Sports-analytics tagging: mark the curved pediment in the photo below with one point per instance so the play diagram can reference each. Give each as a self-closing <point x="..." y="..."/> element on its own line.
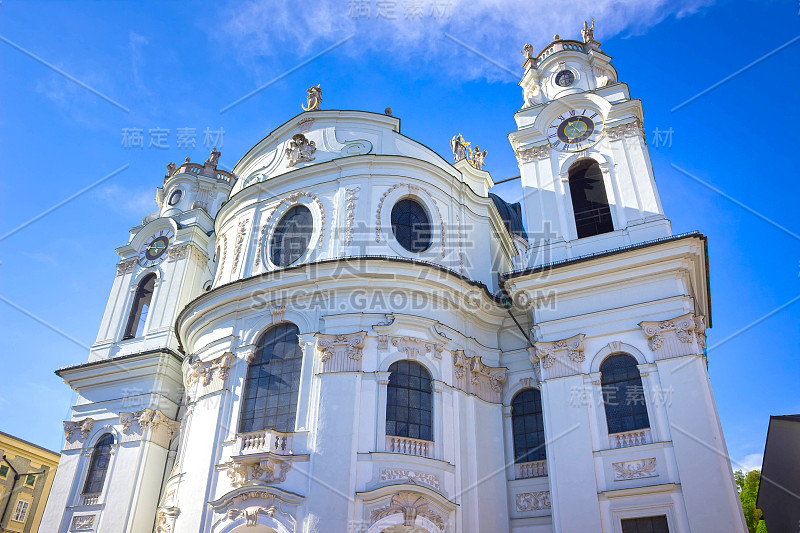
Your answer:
<point x="320" y="136"/>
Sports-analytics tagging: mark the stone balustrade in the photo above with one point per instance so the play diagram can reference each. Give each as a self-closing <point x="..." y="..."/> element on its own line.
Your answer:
<point x="627" y="439"/>
<point x="90" y="499"/>
<point x="407" y="445"/>
<point x="530" y="469"/>
<point x="265" y="441"/>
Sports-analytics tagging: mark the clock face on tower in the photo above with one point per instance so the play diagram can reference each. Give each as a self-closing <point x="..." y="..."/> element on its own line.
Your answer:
<point x="575" y="130"/>
<point x="155" y="249"/>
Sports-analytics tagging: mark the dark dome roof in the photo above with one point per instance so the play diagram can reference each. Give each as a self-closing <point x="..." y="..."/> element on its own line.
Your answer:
<point x="511" y="215"/>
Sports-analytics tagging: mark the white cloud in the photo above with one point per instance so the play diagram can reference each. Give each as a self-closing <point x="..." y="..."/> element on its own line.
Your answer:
<point x="135" y="202"/>
<point x="750" y="462"/>
<point x="498" y="28"/>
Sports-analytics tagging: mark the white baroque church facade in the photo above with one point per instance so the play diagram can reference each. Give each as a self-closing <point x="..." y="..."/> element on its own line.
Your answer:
<point x="348" y="333"/>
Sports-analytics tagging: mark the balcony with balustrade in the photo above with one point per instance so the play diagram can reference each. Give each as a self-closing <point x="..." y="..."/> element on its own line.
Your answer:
<point x="626" y="439"/>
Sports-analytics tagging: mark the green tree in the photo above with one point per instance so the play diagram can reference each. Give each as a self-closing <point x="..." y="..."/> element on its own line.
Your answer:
<point x="748" y="491"/>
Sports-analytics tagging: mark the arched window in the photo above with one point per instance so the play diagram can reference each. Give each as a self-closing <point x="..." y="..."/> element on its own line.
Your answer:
<point x="411" y="226"/>
<point x="589" y="200"/>
<point x="292" y="235"/>
<point x="623" y="394"/>
<point x="101" y="456"/>
<point x="141" y="306"/>
<point x="273" y="381"/>
<point x="409" y="401"/>
<point x="528" y="426"/>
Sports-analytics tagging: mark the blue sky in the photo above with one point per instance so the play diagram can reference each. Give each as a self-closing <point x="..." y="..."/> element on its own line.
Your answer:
<point x="169" y="66"/>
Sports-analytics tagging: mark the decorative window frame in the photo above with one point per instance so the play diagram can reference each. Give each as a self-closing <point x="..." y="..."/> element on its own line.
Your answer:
<point x="593" y="381"/>
<point x="86" y="461"/>
<point x="383" y="221"/>
<point x="310" y="201"/>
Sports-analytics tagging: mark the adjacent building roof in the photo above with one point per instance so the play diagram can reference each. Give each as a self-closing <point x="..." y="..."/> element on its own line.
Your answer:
<point x="779" y="490"/>
<point x="511" y="215"/>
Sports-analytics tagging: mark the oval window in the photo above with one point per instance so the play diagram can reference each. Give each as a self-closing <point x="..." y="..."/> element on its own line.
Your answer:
<point x="292" y="235"/>
<point x="411" y="226"/>
<point x="175" y="197"/>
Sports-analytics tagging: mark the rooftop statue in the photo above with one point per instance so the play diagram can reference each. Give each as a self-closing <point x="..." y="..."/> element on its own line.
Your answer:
<point x="214" y="157"/>
<point x="588" y="32"/>
<point x="460" y="147"/>
<point x="527" y="51"/>
<point x="314" y="98"/>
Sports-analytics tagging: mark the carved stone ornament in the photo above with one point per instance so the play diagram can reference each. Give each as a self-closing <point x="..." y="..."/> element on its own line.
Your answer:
<point x="161" y="427"/>
<point x="237" y="247"/>
<point x="631" y="129"/>
<point x="533" y="501"/>
<point x="684" y="335"/>
<point x="126" y="267"/>
<point x="413" y="347"/>
<point x="350" y="206"/>
<point x="411" y="506"/>
<point x="341" y="353"/>
<point x="474" y="377"/>
<point x="300" y="150"/>
<point x="531" y="154"/>
<point x="79" y="427"/>
<point x="264" y="471"/>
<point x="635" y="469"/>
<point x="82" y="522"/>
<point x="165" y="520"/>
<point x="205" y="372"/>
<point x="461" y="151"/>
<point x="250" y="514"/>
<point x="560" y="358"/>
<point x="410" y="476"/>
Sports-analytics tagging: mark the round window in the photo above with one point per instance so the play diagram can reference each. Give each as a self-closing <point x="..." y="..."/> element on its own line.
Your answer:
<point x="175" y="197"/>
<point x="565" y="78"/>
<point x="411" y="226"/>
<point x="292" y="235"/>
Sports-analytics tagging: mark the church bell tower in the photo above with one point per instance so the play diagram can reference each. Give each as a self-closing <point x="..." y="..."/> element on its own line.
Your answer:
<point x="120" y="439"/>
<point x="586" y="174"/>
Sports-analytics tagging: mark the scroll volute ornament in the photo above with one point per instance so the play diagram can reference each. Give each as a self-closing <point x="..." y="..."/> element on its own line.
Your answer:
<point x="683" y="335"/>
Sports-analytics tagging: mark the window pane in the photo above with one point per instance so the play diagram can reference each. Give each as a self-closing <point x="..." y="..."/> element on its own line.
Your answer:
<point x="411" y="226"/>
<point x="623" y="394"/>
<point x="528" y="426"/>
<point x="99" y="465"/>
<point x="272" y="384"/>
<point x="292" y="235"/>
<point x="408" y="401"/>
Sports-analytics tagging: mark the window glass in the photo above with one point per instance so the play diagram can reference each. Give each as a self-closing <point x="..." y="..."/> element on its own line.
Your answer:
<point x="101" y="457"/>
<point x="411" y="226"/>
<point x="273" y="381"/>
<point x="623" y="394"/>
<point x="409" y="401"/>
<point x="20" y="511"/>
<point x="528" y="426"/>
<point x="292" y="235"/>
<point x="648" y="524"/>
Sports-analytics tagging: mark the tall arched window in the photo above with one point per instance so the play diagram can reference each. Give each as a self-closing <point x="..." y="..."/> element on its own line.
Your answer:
<point x="409" y="401"/>
<point x="101" y="456"/>
<point x="141" y="306"/>
<point x="273" y="381"/>
<point x="589" y="199"/>
<point x="528" y="426"/>
<point x="623" y="394"/>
